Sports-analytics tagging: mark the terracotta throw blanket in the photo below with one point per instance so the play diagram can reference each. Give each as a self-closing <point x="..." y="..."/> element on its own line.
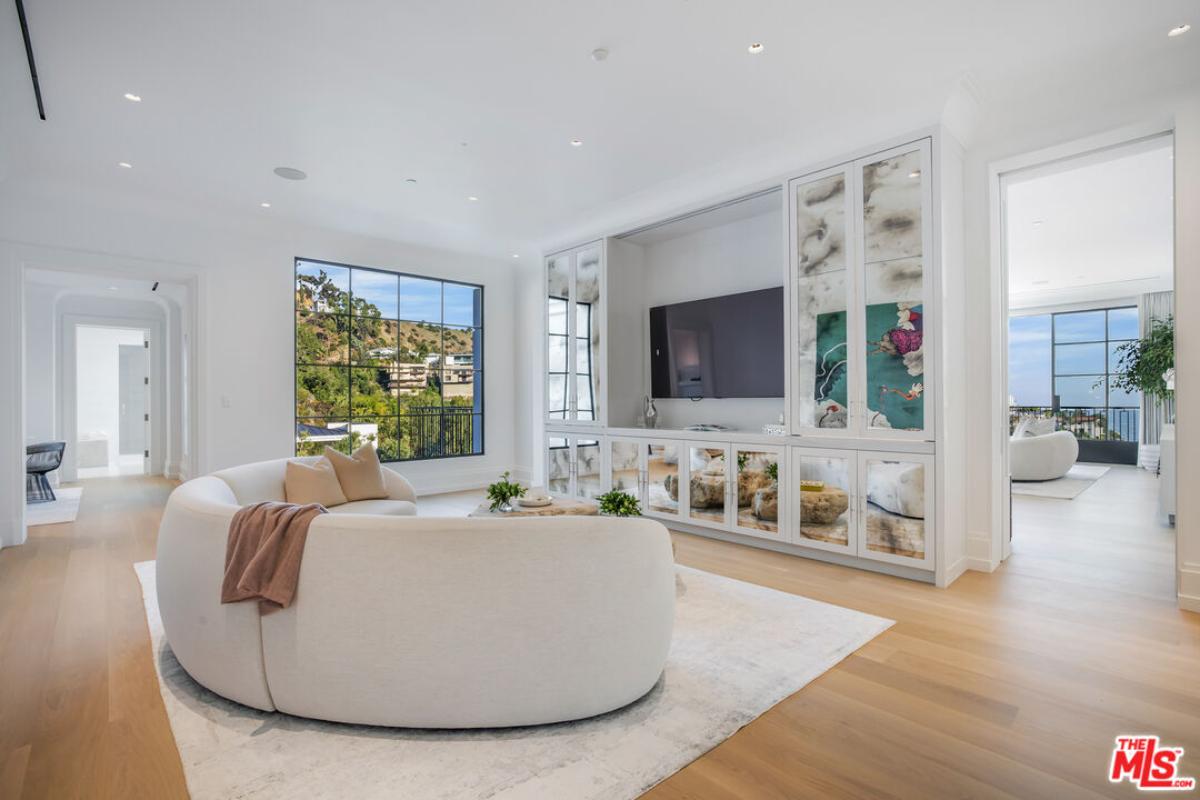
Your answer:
<point x="263" y="552"/>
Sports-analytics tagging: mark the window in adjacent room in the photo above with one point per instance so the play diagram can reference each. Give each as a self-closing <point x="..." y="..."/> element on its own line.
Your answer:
<point x="390" y="359"/>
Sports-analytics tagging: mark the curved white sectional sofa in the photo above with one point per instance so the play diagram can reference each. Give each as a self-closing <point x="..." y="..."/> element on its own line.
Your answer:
<point x="408" y="621"/>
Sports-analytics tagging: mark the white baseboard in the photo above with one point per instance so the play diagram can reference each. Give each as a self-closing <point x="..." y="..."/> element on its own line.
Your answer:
<point x="979" y="552"/>
<point x="1189" y="587"/>
<point x="955" y="571"/>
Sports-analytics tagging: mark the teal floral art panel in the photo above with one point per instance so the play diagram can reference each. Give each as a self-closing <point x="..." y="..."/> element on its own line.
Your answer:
<point x="829" y="389"/>
<point x="895" y="366"/>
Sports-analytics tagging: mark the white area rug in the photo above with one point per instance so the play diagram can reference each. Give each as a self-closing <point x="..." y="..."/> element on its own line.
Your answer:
<point x="738" y="649"/>
<point x="63" y="509"/>
<point x="1078" y="478"/>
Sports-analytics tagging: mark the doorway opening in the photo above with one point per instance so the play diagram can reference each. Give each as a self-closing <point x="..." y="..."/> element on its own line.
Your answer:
<point x="113" y="390"/>
<point x="1087" y="243"/>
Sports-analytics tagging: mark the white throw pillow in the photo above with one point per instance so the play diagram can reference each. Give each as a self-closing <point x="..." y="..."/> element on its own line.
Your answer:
<point x="1040" y="426"/>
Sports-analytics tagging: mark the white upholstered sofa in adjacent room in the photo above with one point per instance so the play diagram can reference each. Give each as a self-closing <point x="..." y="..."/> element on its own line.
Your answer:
<point x="421" y="622"/>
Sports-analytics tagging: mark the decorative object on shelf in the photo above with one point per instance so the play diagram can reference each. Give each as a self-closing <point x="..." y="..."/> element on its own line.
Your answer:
<point x="503" y="492"/>
<point x="619" y="504"/>
<point x="812" y="486"/>
<point x="1144" y="364"/>
<point x="535" y="498"/>
<point x="822" y="506"/>
<point x="775" y="429"/>
<point x="707" y="427"/>
<point x="649" y="412"/>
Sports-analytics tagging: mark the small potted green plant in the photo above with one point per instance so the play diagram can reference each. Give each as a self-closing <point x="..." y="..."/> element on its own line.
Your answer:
<point x="619" y="504"/>
<point x="503" y="492"/>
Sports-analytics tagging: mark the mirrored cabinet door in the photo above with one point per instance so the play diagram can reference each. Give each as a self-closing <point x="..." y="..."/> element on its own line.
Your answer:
<point x="589" y="477"/>
<point x="757" y="511"/>
<point x="558" y="464"/>
<point x="589" y="321"/>
<point x="895" y="223"/>
<point x="896" y="502"/>
<point x="559" y="345"/>
<point x="707" y="491"/>
<point x="822" y="483"/>
<point x="625" y="467"/>
<point x="822" y="266"/>
<point x="664" y="472"/>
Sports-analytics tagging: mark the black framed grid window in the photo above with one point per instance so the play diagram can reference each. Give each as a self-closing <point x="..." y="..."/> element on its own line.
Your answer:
<point x="557" y="372"/>
<point x="1084" y="361"/>
<point x="390" y="359"/>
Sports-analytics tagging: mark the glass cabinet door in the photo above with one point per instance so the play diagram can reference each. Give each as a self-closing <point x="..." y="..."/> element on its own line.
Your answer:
<point x="589" y="480"/>
<point x="822" y="482"/>
<point x="589" y="318"/>
<point x="707" y="490"/>
<point x="758" y="496"/>
<point x="664" y="474"/>
<point x="558" y="464"/>
<point x="822" y="265"/>
<point x="896" y="498"/>
<point x="559" y="345"/>
<point x="894" y="221"/>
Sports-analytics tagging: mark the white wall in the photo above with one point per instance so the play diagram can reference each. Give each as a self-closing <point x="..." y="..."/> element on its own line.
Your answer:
<point x="244" y="272"/>
<point x="97" y="371"/>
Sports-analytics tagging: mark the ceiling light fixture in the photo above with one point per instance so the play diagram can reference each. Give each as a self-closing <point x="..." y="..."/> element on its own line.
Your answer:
<point x="265" y="205"/>
<point x="133" y="98"/>
<point x="1179" y="30"/>
<point x="516" y="255"/>
<point x="290" y="173"/>
<point x="916" y="173"/>
<point x="1038" y="221"/>
<point x="112" y="288"/>
<point x="410" y="180"/>
<point x="599" y="54"/>
<point x="473" y="198"/>
<point x="755" y="48"/>
<point x="577" y="143"/>
<point x="124" y="165"/>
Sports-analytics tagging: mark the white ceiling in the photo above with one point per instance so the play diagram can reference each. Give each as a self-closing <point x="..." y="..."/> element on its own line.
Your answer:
<point x="365" y="94"/>
<point x="1103" y="221"/>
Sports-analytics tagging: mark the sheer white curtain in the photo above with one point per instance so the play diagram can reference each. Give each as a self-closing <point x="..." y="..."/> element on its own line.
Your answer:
<point x="1152" y="307"/>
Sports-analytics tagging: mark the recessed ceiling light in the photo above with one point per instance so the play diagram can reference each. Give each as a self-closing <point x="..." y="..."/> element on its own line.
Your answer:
<point x="577" y="143"/>
<point x="410" y="180"/>
<point x="112" y="288"/>
<point x="599" y="54"/>
<point x="473" y="198"/>
<point x="516" y="255"/>
<point x="133" y="98"/>
<point x="124" y="165"/>
<point x="916" y="173"/>
<point x="290" y="173"/>
<point x="1179" y="30"/>
<point x="755" y="48"/>
<point x="1038" y="221"/>
<point x="265" y="205"/>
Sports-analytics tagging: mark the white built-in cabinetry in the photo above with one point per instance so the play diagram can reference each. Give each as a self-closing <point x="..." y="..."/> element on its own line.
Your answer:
<point x="856" y="480"/>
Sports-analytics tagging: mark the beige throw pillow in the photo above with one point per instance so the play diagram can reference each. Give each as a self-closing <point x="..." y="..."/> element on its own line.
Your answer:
<point x="313" y="483"/>
<point x="359" y="473"/>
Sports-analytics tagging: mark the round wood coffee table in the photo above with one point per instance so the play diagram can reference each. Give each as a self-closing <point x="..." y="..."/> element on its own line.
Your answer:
<point x="561" y="507"/>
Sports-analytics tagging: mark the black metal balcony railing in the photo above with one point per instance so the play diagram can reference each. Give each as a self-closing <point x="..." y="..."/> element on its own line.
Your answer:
<point x="1094" y="423"/>
<point x="435" y="431"/>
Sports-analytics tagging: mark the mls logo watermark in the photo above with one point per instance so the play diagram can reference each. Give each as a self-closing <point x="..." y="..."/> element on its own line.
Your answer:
<point x="1146" y="764"/>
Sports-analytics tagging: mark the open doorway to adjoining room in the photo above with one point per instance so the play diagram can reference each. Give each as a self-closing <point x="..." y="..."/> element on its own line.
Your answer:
<point x="112" y="408"/>
<point x="1088" y="259"/>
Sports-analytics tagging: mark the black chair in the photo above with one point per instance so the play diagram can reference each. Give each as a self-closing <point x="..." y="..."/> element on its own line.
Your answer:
<point x="40" y="459"/>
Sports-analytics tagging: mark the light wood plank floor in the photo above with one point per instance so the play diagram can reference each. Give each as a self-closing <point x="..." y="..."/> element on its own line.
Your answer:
<point x="1005" y="685"/>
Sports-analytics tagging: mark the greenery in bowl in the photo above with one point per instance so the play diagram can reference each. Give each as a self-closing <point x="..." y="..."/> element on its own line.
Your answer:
<point x="772" y="471"/>
<point x="503" y="492"/>
<point x="619" y="504"/>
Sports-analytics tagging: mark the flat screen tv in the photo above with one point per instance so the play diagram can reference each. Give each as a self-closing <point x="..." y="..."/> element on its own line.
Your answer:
<point x="729" y="346"/>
